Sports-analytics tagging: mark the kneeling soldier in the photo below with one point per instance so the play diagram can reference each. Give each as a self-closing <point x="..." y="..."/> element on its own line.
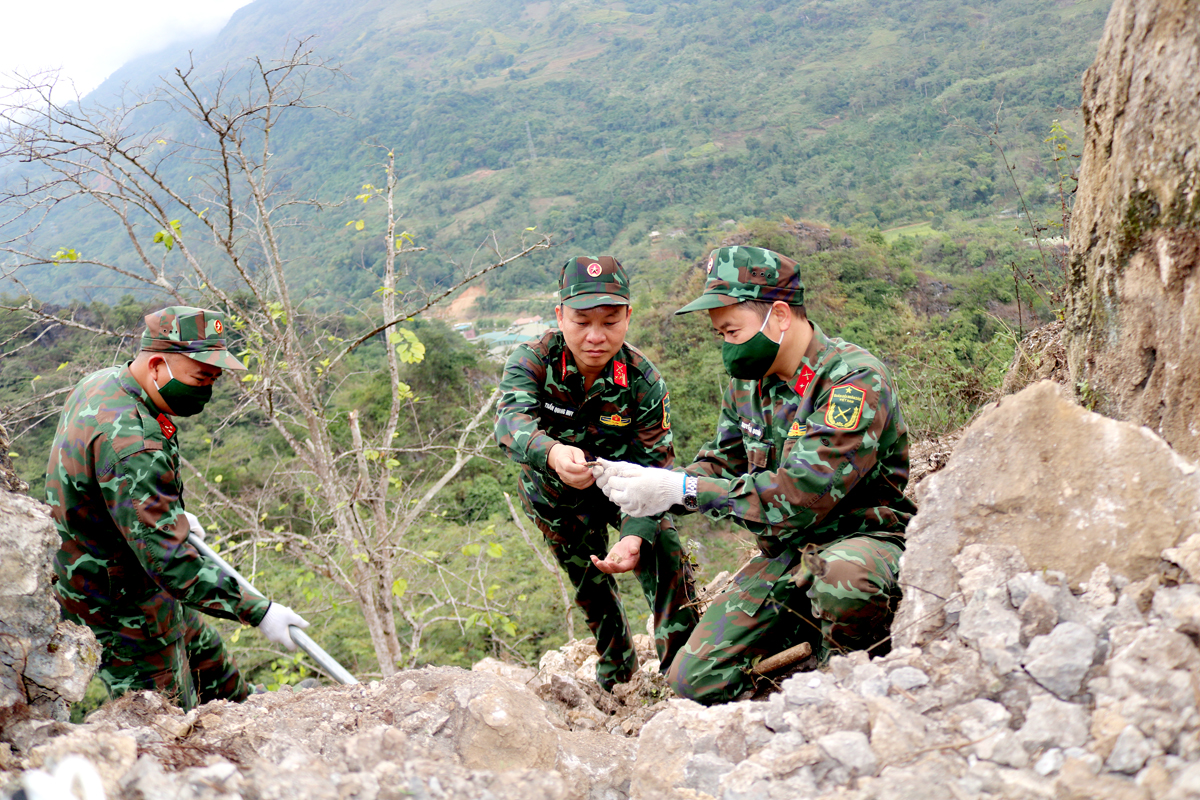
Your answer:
<point x="810" y="454"/>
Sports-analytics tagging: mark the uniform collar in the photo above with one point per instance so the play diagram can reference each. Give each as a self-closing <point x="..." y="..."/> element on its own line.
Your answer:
<point x="130" y="385"/>
<point x="816" y="346"/>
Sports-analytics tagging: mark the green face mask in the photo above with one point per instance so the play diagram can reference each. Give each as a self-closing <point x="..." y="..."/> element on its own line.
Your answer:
<point x="183" y="399"/>
<point x="751" y="359"/>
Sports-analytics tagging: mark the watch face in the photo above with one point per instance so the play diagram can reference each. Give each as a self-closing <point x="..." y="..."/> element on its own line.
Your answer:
<point x="689" y="501"/>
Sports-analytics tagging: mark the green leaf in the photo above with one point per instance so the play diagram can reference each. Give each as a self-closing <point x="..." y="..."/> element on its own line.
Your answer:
<point x="399" y="587"/>
<point x="471" y="549"/>
<point x="495" y="549"/>
<point x="408" y="347"/>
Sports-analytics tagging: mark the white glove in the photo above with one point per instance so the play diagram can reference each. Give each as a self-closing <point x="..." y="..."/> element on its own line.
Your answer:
<point x="605" y="469"/>
<point x="275" y="624"/>
<point x="644" y="491"/>
<point x="194" y="525"/>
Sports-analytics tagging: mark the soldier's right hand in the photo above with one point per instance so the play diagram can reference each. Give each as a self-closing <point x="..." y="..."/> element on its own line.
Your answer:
<point x="571" y="465"/>
<point x="275" y="624"/>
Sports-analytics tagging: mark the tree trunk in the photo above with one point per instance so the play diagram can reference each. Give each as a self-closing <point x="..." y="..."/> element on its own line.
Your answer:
<point x="1133" y="310"/>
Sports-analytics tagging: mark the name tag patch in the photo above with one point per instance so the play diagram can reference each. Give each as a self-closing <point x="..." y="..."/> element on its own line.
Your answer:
<point x="616" y="420"/>
<point x="562" y="411"/>
<point x="751" y="429"/>
<point x="845" y="407"/>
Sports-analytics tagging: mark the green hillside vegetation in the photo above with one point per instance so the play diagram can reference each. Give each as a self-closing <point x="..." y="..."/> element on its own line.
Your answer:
<point x="944" y="331"/>
<point x="601" y="122"/>
<point x="851" y="136"/>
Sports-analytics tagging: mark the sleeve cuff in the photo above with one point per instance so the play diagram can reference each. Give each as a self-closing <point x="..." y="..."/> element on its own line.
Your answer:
<point x="538" y="450"/>
<point x="645" y="528"/>
<point x="712" y="496"/>
<point x="253" y="609"/>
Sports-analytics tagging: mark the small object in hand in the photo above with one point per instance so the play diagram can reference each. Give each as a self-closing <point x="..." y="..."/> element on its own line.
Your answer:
<point x="591" y="463"/>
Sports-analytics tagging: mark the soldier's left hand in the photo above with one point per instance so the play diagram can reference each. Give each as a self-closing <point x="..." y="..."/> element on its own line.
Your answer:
<point x="194" y="525"/>
<point x="645" y="491"/>
<point x="622" y="558"/>
<point x="605" y="469"/>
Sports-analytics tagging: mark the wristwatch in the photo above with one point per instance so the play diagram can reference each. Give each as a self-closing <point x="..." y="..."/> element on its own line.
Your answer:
<point x="690" y="488"/>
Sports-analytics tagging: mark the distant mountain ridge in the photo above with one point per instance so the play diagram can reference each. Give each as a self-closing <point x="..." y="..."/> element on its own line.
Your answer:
<point x="602" y="121"/>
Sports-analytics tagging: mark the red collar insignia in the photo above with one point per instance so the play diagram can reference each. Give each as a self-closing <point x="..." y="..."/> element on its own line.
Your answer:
<point x="803" y="380"/>
<point x="620" y="375"/>
<point x="168" y="427"/>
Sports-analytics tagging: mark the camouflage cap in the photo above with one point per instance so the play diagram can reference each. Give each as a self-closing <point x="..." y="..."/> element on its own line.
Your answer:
<point x="589" y="282"/>
<point x="195" y="332"/>
<point x="737" y="274"/>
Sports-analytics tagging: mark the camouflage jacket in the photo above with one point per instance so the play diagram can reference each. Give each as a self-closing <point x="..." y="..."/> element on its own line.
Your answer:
<point x="625" y="416"/>
<point x="819" y="457"/>
<point x="115" y="492"/>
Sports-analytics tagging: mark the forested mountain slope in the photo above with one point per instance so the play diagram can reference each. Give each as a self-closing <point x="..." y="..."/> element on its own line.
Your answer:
<point x="599" y="122"/>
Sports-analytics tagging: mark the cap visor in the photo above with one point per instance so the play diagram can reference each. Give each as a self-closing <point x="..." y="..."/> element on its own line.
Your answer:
<point x="585" y="301"/>
<point x="707" y="301"/>
<point x="217" y="358"/>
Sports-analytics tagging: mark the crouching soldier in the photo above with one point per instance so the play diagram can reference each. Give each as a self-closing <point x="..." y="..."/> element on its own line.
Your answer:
<point x="579" y="393"/>
<point x="811" y="455"/>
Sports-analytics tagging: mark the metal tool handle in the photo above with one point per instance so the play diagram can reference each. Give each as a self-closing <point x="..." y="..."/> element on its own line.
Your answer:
<point x="302" y="639"/>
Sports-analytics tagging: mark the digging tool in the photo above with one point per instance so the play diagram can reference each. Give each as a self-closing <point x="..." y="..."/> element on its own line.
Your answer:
<point x="302" y="639"/>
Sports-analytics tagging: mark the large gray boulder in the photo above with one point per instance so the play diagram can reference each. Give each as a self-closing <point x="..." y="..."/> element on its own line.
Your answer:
<point x="1133" y="321"/>
<point x="45" y="663"/>
<point x="1065" y="488"/>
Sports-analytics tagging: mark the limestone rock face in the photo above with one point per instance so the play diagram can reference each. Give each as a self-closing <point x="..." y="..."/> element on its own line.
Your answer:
<point x="45" y="663"/>
<point x="1133" y="322"/>
<point x="1067" y="488"/>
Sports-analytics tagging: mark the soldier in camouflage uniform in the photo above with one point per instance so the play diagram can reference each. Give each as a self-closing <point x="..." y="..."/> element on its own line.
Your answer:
<point x="811" y="455"/>
<point x="576" y="394"/>
<point x="113" y="483"/>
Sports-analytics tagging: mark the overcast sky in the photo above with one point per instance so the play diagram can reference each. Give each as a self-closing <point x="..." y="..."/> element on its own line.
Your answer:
<point x="89" y="40"/>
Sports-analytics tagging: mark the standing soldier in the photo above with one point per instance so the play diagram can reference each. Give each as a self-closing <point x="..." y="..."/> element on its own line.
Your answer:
<point x="810" y="454"/>
<point x="125" y="567"/>
<point x="579" y="393"/>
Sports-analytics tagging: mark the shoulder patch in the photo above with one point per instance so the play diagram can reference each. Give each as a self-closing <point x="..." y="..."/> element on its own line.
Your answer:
<point x="666" y="423"/>
<point x="168" y="427"/>
<point x="845" y="407"/>
<point x="616" y="420"/>
<point x="621" y="374"/>
<point x="797" y="429"/>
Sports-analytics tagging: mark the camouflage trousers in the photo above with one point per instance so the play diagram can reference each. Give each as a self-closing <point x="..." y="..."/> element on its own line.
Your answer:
<point x="190" y="666"/>
<point x="774" y="603"/>
<point x="663" y="570"/>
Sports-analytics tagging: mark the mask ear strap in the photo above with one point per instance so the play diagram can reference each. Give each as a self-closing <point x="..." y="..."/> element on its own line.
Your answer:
<point x="766" y="319"/>
<point x="763" y="327"/>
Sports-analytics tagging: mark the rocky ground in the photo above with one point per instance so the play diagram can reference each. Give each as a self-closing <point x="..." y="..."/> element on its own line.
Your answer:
<point x="1047" y="646"/>
<point x="1034" y="690"/>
